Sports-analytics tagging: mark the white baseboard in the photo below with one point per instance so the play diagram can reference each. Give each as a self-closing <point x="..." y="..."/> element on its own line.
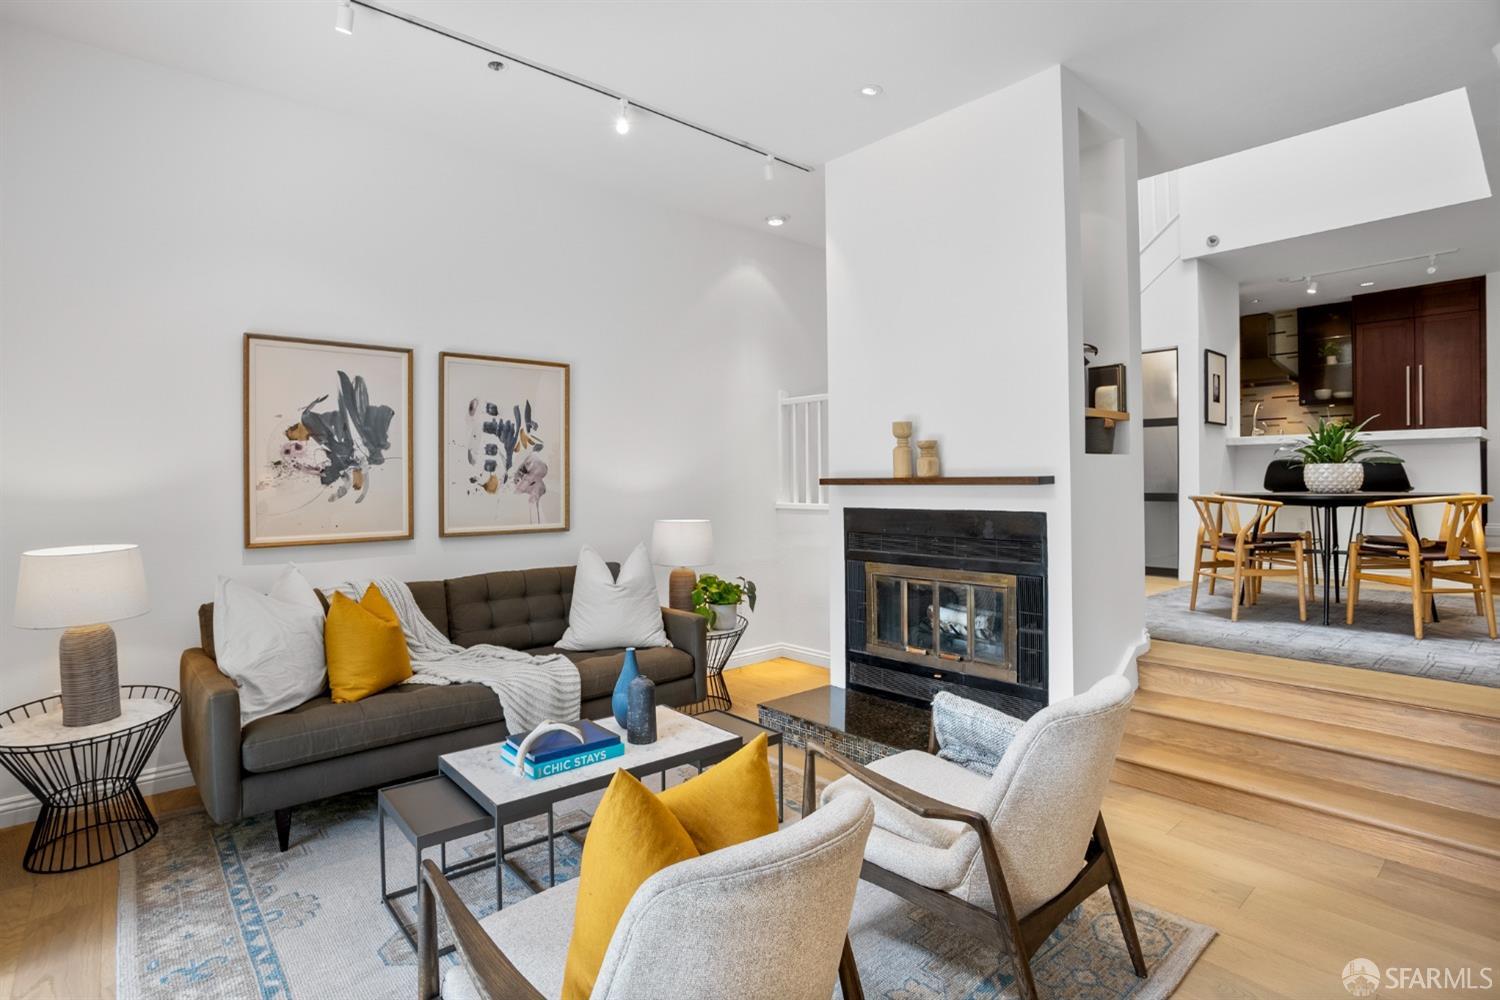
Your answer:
<point x="775" y="650"/>
<point x="22" y="808"/>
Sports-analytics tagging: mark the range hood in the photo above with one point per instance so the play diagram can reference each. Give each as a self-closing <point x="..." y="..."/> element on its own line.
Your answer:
<point x="1268" y="348"/>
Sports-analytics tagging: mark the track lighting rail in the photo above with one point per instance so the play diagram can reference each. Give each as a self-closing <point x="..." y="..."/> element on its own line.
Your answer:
<point x="635" y="106"/>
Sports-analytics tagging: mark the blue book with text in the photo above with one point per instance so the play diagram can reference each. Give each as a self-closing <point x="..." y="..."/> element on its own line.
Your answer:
<point x="555" y="745"/>
<point x="558" y="765"/>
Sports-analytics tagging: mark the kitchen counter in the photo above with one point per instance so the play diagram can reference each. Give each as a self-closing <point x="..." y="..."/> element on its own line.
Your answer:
<point x="1374" y="437"/>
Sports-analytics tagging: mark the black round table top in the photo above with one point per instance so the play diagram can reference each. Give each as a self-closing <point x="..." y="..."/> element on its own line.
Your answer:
<point x="1306" y="498"/>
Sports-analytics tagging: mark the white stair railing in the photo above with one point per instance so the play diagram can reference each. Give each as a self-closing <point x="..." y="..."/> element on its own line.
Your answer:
<point x="802" y="451"/>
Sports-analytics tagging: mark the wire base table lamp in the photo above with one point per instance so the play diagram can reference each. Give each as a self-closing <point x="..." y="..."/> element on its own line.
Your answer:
<point x="682" y="543"/>
<point x="82" y="588"/>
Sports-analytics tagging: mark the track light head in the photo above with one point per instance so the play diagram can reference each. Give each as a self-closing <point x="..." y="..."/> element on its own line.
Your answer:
<point x="622" y="120"/>
<point x="1432" y="263"/>
<point x="343" y="21"/>
<point x="770" y="167"/>
<point x="1312" y="287"/>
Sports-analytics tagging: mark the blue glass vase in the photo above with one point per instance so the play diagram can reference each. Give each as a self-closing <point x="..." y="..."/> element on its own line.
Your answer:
<point x="619" y="702"/>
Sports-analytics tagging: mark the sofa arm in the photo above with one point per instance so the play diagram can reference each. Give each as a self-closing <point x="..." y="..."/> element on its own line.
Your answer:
<point x="211" y="734"/>
<point x="689" y="633"/>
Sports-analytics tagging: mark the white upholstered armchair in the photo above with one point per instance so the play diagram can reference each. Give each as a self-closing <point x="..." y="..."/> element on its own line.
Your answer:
<point x="687" y="931"/>
<point x="1006" y="855"/>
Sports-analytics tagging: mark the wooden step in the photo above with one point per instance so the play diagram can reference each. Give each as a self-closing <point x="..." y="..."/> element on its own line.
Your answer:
<point x="1410" y="708"/>
<point x="1424" y="835"/>
<point x="1447" y="776"/>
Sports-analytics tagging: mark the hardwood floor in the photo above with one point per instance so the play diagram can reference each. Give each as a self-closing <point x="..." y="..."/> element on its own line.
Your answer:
<point x="1291" y="910"/>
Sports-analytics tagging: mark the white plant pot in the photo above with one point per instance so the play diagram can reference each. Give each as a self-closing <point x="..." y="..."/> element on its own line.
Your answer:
<point x="726" y="616"/>
<point x="1333" y="477"/>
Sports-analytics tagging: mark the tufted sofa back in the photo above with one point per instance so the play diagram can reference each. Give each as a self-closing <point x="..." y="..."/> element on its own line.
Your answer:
<point x="519" y="609"/>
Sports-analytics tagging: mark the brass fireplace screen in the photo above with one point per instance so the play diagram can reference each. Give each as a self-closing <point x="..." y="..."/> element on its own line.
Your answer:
<point x="942" y="618"/>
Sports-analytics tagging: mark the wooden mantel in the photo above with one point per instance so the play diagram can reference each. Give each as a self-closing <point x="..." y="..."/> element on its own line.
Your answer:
<point x="937" y="481"/>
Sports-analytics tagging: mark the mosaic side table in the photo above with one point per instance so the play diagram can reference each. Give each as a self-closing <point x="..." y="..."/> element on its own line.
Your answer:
<point x="85" y="776"/>
<point x="721" y="643"/>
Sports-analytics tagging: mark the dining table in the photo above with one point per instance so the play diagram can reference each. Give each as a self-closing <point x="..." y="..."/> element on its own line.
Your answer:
<point x="1328" y="506"/>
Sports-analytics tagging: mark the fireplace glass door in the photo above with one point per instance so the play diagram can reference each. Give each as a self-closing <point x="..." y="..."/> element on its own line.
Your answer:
<point x="941" y="617"/>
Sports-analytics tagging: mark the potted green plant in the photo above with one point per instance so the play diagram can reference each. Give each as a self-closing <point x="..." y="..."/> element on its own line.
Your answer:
<point x="1333" y="455"/>
<point x="1330" y="351"/>
<point x="719" y="600"/>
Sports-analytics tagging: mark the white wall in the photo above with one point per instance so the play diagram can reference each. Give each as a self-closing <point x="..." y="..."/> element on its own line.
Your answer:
<point x="955" y="300"/>
<point x="1412" y="158"/>
<point x="151" y="217"/>
<point x="1193" y="306"/>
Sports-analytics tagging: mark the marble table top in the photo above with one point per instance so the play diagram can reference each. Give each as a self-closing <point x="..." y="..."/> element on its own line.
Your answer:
<point x="495" y="785"/>
<point x="47" y="727"/>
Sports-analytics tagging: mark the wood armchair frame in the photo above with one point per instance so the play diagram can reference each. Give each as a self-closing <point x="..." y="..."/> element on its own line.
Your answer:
<point x="494" y="976"/>
<point x="1018" y="937"/>
<point x="1462" y="561"/>
<point x="1253" y="559"/>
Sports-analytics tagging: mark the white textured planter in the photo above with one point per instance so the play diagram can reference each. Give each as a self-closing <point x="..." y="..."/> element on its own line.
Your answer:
<point x="1334" y="477"/>
<point x="726" y="616"/>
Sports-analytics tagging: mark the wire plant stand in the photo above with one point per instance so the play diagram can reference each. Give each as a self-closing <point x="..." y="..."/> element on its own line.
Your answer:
<point x="721" y="643"/>
<point x="92" y="807"/>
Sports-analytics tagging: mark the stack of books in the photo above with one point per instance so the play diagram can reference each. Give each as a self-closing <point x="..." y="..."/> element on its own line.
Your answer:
<point x="556" y="752"/>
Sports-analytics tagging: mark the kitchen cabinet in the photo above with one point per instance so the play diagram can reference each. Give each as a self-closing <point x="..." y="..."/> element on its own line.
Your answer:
<point x="1326" y="355"/>
<point x="1419" y="356"/>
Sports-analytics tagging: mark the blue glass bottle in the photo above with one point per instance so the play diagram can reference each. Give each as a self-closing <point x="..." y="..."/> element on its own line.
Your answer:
<point x="619" y="702"/>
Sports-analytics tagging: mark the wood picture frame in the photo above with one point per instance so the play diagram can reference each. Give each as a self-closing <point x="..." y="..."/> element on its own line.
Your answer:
<point x="324" y="477"/>
<point x="1215" y="388"/>
<point x="504" y="445"/>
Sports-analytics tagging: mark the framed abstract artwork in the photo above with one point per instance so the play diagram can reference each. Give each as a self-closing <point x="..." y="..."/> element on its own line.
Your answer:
<point x="1215" y="388"/>
<point x="503" y="435"/>
<point x="328" y="442"/>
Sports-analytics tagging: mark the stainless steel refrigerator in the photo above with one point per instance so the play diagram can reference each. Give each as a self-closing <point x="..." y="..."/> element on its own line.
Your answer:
<point x="1159" y="444"/>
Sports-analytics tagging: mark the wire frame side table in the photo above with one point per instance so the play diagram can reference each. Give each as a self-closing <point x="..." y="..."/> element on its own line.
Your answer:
<point x="86" y="777"/>
<point x="721" y="644"/>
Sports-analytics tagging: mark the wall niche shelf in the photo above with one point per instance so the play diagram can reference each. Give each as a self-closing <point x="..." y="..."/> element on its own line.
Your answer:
<point x="1110" y="417"/>
<point x="938" y="481"/>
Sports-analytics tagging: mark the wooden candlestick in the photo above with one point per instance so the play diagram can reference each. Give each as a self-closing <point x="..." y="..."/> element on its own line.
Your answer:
<point x="901" y="454"/>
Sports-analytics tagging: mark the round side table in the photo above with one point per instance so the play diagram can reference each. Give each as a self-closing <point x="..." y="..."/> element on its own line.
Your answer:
<point x="721" y="643"/>
<point x="85" y="776"/>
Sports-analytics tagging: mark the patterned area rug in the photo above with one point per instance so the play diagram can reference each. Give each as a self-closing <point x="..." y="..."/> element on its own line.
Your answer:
<point x="219" y="912"/>
<point x="1457" y="648"/>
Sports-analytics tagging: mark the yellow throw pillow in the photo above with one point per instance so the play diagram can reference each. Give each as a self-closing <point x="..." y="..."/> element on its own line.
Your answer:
<point x="364" y="646"/>
<point x="636" y="834"/>
<point x="728" y="804"/>
<point x="632" y="837"/>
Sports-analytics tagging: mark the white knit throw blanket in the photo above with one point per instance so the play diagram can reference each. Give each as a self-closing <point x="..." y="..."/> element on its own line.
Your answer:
<point x="532" y="689"/>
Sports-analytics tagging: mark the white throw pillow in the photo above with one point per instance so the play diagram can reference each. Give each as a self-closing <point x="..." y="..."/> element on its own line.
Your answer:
<point x="609" y="611"/>
<point x="270" y="645"/>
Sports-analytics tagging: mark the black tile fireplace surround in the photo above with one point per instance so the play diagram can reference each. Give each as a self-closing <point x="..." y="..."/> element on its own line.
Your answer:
<point x="966" y="545"/>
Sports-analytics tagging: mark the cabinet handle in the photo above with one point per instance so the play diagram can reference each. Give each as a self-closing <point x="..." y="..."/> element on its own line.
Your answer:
<point x="1408" y="395"/>
<point x="1421" y="386"/>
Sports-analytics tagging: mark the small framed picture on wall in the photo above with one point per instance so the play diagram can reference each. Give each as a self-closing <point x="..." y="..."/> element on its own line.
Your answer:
<point x="503" y="465"/>
<point x="1215" y="388"/>
<point x="327" y="438"/>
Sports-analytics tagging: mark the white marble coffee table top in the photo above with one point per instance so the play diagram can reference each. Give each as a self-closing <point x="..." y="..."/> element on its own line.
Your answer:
<point x="47" y="727"/>
<point x="494" y="784"/>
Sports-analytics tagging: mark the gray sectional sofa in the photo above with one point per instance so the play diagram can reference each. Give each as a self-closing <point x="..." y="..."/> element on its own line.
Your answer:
<point x="321" y="749"/>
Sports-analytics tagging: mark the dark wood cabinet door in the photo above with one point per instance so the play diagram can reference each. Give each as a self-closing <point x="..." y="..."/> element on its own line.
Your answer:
<point x="1384" y="373"/>
<point x="1448" y="386"/>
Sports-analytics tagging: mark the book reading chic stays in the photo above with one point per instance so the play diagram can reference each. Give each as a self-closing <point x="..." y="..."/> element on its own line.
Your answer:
<point x="560" y="749"/>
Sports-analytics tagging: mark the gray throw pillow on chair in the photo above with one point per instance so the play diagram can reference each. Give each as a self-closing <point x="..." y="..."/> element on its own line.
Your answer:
<point x="973" y="735"/>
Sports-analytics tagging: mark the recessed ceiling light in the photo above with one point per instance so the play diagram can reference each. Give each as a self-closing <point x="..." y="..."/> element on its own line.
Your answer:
<point x="1366" y="284"/>
<point x="872" y="90"/>
<point x="776" y="220"/>
<point x="1255" y="302"/>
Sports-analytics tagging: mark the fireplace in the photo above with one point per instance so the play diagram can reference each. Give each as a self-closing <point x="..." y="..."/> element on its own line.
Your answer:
<point x="952" y="600"/>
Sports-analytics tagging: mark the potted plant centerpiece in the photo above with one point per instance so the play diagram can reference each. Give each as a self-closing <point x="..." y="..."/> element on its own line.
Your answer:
<point x="1333" y="455"/>
<point x="719" y="600"/>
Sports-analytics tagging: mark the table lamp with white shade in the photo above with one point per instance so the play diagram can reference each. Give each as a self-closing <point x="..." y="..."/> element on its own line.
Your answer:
<point x="682" y="543"/>
<point x="81" y="588"/>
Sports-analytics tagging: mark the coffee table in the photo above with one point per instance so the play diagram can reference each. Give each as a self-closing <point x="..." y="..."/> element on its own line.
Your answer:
<point x="507" y="797"/>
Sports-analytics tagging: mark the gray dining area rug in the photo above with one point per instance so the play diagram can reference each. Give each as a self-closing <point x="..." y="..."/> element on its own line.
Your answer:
<point x="1455" y="648"/>
<point x="211" y="911"/>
